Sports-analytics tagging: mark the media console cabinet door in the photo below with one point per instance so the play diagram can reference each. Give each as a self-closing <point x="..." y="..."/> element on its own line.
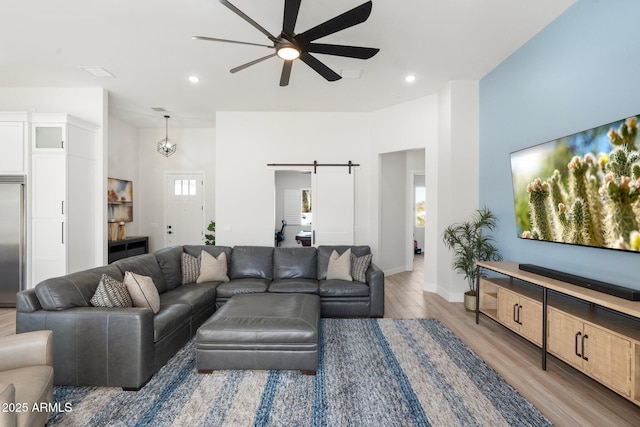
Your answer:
<point x="531" y="320"/>
<point x="609" y="358"/>
<point x="564" y="334"/>
<point x="507" y="307"/>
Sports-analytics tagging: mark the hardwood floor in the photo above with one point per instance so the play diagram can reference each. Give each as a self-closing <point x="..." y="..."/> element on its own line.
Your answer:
<point x="564" y="395"/>
<point x="561" y="393"/>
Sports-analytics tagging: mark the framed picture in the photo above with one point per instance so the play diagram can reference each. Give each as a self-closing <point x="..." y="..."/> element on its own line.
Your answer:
<point x="120" y="200"/>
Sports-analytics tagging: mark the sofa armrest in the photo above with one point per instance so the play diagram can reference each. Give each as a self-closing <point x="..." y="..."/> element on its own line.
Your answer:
<point x="375" y="280"/>
<point x="27" y="301"/>
<point x="28" y="349"/>
<point x="110" y="347"/>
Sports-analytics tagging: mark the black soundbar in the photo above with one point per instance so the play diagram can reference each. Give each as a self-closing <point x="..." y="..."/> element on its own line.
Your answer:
<point x="596" y="285"/>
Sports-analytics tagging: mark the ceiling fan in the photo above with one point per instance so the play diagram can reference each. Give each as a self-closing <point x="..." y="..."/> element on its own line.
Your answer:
<point x="290" y="46"/>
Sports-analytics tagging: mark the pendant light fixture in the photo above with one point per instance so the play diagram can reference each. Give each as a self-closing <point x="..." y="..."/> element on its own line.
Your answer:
<point x="166" y="147"/>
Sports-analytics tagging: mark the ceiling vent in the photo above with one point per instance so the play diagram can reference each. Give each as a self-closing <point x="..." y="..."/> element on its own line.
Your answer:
<point x="158" y="109"/>
<point x="98" y="72"/>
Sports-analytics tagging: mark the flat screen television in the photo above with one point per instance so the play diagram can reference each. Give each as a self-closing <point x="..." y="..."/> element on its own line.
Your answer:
<point x="581" y="189"/>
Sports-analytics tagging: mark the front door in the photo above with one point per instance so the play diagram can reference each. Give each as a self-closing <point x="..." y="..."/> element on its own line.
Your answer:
<point x="184" y="209"/>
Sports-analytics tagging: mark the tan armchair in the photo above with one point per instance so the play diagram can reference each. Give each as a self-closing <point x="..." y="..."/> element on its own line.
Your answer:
<point x="26" y="379"/>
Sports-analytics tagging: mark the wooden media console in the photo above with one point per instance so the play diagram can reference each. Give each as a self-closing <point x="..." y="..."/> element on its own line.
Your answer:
<point x="596" y="333"/>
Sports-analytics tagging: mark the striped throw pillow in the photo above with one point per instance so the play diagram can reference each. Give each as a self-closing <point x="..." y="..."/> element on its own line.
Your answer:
<point x="190" y="268"/>
<point x="359" y="266"/>
<point x="111" y="293"/>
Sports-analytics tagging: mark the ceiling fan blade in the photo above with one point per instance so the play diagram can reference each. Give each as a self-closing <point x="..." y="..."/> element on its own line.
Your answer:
<point x="286" y="73"/>
<point x="355" y="16"/>
<point x="291" y="9"/>
<point x="339" y="50"/>
<point x="211" y="39"/>
<point x="249" y="20"/>
<point x="320" y="68"/>
<point x="249" y="64"/>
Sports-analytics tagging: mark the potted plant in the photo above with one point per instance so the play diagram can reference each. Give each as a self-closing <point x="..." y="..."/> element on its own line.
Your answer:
<point x="211" y="238"/>
<point x="471" y="243"/>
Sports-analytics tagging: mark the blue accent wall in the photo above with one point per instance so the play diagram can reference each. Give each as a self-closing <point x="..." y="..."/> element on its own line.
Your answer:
<point x="581" y="71"/>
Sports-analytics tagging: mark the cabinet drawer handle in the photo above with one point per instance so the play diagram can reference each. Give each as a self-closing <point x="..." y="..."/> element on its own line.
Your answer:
<point x="584" y="356"/>
<point x="576" y="343"/>
<point x="515" y="313"/>
<point x="519" y="308"/>
<point x="63" y="233"/>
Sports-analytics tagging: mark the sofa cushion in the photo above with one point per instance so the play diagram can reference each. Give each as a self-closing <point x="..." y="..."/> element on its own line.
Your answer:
<point x="169" y="261"/>
<point x="197" y="296"/>
<point x="251" y="262"/>
<point x="144" y="265"/>
<point x="142" y="290"/>
<point x="291" y="263"/>
<point x="342" y="288"/>
<point x="111" y="293"/>
<point x="73" y="290"/>
<point x="213" y="269"/>
<point x="195" y="250"/>
<point x="294" y="286"/>
<point x="169" y="318"/>
<point x="241" y="286"/>
<point x="190" y="268"/>
<point x="339" y="266"/>
<point x="359" y="266"/>
<point x="324" y="252"/>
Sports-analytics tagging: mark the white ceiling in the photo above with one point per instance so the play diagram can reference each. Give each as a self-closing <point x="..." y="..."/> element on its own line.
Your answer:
<point x="146" y="44"/>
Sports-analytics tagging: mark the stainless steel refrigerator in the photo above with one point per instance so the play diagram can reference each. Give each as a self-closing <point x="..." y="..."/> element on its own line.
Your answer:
<point x="12" y="238"/>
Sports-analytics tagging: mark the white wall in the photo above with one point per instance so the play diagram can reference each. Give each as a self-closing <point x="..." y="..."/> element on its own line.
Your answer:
<point x="445" y="126"/>
<point x="393" y="208"/>
<point x="247" y="142"/>
<point x="123" y="163"/>
<point x="195" y="153"/>
<point x="455" y="175"/>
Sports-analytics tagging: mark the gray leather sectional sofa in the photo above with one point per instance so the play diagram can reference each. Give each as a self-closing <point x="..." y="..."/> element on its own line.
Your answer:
<point x="124" y="347"/>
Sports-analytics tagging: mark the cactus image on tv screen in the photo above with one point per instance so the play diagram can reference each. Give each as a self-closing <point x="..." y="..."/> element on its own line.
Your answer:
<point x="581" y="189"/>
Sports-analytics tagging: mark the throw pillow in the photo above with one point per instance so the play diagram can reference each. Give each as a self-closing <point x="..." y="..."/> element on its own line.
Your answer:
<point x="143" y="291"/>
<point x="213" y="269"/>
<point x="111" y="293"/>
<point x="359" y="266"/>
<point x="190" y="268"/>
<point x="340" y="266"/>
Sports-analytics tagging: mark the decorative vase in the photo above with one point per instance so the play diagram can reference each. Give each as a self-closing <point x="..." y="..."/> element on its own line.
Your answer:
<point x="113" y="230"/>
<point x="470" y="301"/>
<point x="122" y="231"/>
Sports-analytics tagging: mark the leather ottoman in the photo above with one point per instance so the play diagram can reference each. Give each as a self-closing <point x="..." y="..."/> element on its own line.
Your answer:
<point x="261" y="331"/>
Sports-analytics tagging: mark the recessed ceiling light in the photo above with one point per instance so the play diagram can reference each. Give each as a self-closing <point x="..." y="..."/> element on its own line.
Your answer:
<point x="98" y="71"/>
<point x="194" y="79"/>
<point x="410" y="78"/>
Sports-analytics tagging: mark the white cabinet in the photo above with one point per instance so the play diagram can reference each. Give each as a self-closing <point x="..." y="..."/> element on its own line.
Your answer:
<point x="13" y="141"/>
<point x="64" y="194"/>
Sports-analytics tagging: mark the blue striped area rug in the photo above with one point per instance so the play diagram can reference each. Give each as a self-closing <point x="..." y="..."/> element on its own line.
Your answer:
<point x="373" y="372"/>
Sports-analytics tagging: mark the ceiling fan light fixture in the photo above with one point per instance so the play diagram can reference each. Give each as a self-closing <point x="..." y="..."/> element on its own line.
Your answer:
<point x="288" y="52"/>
